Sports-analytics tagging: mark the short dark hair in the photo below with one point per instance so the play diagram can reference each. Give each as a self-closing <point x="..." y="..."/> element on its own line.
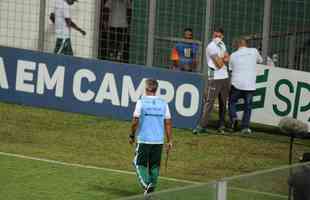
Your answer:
<point x="219" y="30"/>
<point x="151" y="85"/>
<point x="188" y="29"/>
<point x="239" y="41"/>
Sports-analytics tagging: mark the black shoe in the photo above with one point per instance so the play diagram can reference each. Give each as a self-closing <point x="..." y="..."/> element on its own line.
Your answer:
<point x="198" y="130"/>
<point x="149" y="189"/>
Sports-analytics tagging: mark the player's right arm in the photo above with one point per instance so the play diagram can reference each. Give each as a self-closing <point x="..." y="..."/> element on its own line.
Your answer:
<point x="69" y="22"/>
<point x="135" y="122"/>
<point x="73" y="25"/>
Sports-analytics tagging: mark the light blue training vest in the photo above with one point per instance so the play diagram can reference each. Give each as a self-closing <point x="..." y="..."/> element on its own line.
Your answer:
<point x="151" y="121"/>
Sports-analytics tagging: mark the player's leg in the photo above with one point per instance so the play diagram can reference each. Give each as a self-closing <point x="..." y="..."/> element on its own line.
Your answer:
<point x="58" y="46"/>
<point x="155" y="158"/>
<point x="67" y="48"/>
<point x="141" y="164"/>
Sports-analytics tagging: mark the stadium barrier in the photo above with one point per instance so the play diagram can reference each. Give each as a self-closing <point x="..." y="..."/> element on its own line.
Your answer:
<point x="272" y="184"/>
<point x="110" y="89"/>
<point x="280" y="93"/>
<point x="94" y="86"/>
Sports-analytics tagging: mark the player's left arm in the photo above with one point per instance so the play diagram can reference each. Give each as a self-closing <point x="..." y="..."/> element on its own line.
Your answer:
<point x="168" y="128"/>
<point x="73" y="25"/>
<point x="135" y="122"/>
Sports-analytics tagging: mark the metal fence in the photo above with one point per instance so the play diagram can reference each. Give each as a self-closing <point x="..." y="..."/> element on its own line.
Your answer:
<point x="287" y="182"/>
<point x="147" y="30"/>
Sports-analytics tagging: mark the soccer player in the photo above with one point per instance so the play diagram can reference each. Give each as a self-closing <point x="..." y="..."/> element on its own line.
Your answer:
<point x="151" y="119"/>
<point x="63" y="24"/>
<point x="184" y="54"/>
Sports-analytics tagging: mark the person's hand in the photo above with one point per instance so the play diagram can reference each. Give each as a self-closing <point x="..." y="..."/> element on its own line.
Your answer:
<point x="226" y="57"/>
<point x="168" y="146"/>
<point x="83" y="32"/>
<point x="131" y="139"/>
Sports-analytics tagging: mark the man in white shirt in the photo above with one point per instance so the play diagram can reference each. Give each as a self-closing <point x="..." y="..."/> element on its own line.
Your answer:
<point x="63" y="24"/>
<point x="118" y="28"/>
<point x="242" y="64"/>
<point x="218" y="83"/>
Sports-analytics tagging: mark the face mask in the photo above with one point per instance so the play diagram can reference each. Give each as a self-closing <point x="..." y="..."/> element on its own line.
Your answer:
<point x="217" y="40"/>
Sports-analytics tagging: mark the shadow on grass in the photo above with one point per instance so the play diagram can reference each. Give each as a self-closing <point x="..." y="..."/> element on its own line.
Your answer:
<point x="111" y="189"/>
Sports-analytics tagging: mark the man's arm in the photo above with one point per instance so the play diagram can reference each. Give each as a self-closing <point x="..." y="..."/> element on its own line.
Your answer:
<point x="168" y="130"/>
<point x="218" y="61"/>
<point x="134" y="127"/>
<point x="73" y="25"/>
<point x="175" y="58"/>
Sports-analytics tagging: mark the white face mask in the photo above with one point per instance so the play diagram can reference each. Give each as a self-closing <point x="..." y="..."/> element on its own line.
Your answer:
<point x="217" y="40"/>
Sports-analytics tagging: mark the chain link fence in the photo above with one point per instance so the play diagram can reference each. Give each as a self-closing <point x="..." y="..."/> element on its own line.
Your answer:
<point x="144" y="32"/>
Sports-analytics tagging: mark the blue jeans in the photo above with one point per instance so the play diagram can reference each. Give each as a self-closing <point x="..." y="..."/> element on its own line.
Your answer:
<point x="247" y="96"/>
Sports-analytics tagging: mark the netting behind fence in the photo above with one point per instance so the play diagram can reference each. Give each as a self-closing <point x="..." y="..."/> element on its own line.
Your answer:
<point x="121" y="30"/>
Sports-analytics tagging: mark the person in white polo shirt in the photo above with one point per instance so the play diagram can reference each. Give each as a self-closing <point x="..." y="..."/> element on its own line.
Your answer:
<point x="218" y="83"/>
<point x="63" y="24"/>
<point x="242" y="64"/>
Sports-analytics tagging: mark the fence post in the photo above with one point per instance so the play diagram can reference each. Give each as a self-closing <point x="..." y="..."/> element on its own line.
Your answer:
<point x="96" y="28"/>
<point x="151" y="33"/>
<point x="221" y="188"/>
<point x="266" y="29"/>
<point x="208" y="23"/>
<point x="41" y="25"/>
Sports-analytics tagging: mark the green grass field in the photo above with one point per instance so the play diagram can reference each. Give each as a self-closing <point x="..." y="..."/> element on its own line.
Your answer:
<point x="102" y="142"/>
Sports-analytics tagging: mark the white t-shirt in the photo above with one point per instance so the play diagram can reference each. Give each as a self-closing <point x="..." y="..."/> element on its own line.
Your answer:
<point x="137" y="111"/>
<point x="243" y="65"/>
<point x="61" y="12"/>
<point x="216" y="49"/>
<point x="118" y="13"/>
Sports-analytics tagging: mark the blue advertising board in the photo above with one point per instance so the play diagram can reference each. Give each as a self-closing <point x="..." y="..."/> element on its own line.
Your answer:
<point x="94" y="87"/>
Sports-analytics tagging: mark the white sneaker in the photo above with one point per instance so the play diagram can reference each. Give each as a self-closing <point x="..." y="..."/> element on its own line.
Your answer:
<point x="246" y="131"/>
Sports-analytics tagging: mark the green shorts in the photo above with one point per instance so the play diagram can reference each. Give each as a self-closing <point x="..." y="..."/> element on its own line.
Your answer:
<point x="148" y="155"/>
<point x="63" y="46"/>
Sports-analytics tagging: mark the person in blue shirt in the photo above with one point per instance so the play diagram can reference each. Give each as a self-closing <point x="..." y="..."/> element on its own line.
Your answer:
<point x="184" y="54"/>
<point x="151" y="120"/>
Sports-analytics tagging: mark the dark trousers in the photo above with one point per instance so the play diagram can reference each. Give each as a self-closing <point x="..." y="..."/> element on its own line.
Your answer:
<point x="216" y="89"/>
<point x="247" y="96"/>
<point x="147" y="164"/>
<point x="118" y="41"/>
<point x="63" y="46"/>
